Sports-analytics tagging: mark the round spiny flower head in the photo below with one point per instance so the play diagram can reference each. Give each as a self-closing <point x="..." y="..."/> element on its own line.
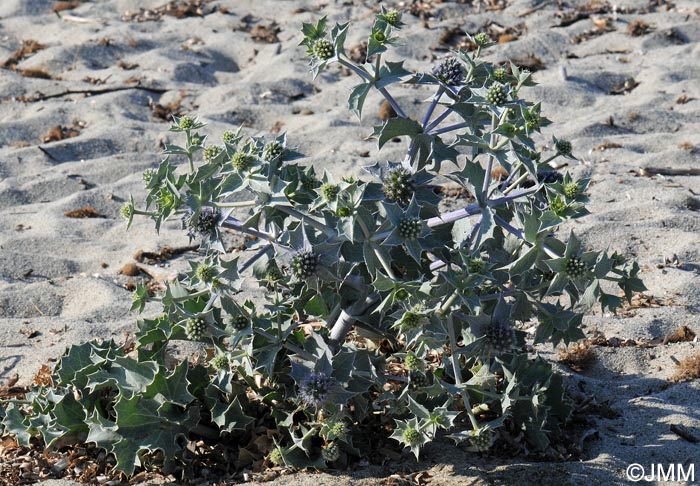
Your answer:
<point x="532" y="121"/>
<point x="148" y="175"/>
<point x="330" y="191"/>
<point x="401" y="294"/>
<point x="482" y="39"/>
<point x="240" y="161"/>
<point x="315" y="387"/>
<point x="499" y="74"/>
<point x="497" y="94"/>
<point x="410" y="320"/>
<point x="575" y="267"/>
<point x="272" y="150"/>
<point x="229" y="137"/>
<point x="499" y="338"/>
<point x="336" y="429"/>
<point x="194" y="328"/>
<point x="323" y="49"/>
<point x="418" y="379"/>
<point x="304" y="264"/>
<point x="276" y="457"/>
<point x="204" y="225"/>
<point x="411" y="436"/>
<point x="205" y="273"/>
<point x="549" y="176"/>
<point x="572" y="190"/>
<point x="450" y="72"/>
<point x="240" y="322"/>
<point x="330" y="452"/>
<point x="392" y="17"/>
<point x="196" y="139"/>
<point x="481" y="441"/>
<point x="166" y="199"/>
<point x="211" y="152"/>
<point x="220" y="362"/>
<point x="127" y="210"/>
<point x="476" y="265"/>
<point x="412" y="362"/>
<point x="399" y="186"/>
<point x="557" y="205"/>
<point x="563" y="147"/>
<point x="186" y="123"/>
<point x="410" y="228"/>
<point x="343" y="212"/>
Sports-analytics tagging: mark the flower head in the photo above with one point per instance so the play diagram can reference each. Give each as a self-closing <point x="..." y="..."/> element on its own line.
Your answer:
<point x="497" y="94"/>
<point x="563" y="147"/>
<point x="272" y="150"/>
<point x="399" y="186"/>
<point x="450" y="72"/>
<point x="315" y="388"/>
<point x="499" y="337"/>
<point x="575" y="267"/>
<point x="304" y="264"/>
<point x="203" y="224"/>
<point x="220" y="362"/>
<point x="194" y="328"/>
<point x="410" y="228"/>
<point x="330" y="452"/>
<point x="323" y="49"/>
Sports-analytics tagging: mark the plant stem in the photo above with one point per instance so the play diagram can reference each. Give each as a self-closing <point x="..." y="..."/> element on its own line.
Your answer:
<point x="453" y="216"/>
<point x="330" y="232"/>
<point x="432" y="106"/>
<point x="439" y="119"/>
<point x="458" y="372"/>
<point x="361" y="72"/>
<point x="516" y="195"/>
<point x="382" y="259"/>
<point x="346" y="319"/>
<point x="489" y="163"/>
<point x="235" y="204"/>
<point x="515" y="184"/>
<point x="236" y="224"/>
<point x="450" y="128"/>
<point x="392" y="102"/>
<point x="515" y="231"/>
<point x="255" y="257"/>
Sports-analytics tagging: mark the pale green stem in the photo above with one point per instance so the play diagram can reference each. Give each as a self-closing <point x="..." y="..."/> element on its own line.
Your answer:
<point x="385" y="263"/>
<point x="458" y="373"/>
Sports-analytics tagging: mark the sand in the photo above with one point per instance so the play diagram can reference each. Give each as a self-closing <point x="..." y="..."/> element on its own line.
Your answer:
<point x="59" y="277"/>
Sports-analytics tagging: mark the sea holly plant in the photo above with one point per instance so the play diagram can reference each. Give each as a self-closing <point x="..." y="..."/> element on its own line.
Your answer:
<point x="380" y="309"/>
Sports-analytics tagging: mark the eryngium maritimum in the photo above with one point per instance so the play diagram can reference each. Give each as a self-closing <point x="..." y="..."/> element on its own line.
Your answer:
<point x="450" y="72"/>
<point x="314" y="388"/>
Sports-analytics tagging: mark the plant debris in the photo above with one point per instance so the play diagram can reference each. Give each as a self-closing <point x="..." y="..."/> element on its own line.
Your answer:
<point x="624" y="87"/>
<point x="164" y="254"/>
<point x="386" y="111"/>
<point x="687" y="369"/>
<point x="266" y="33"/>
<point x="178" y="9"/>
<point x="60" y="132"/>
<point x="682" y="334"/>
<point x="638" y="28"/>
<point x="606" y="145"/>
<point x="26" y="49"/>
<point x="579" y="357"/>
<point x="85" y="212"/>
<point x="67" y="5"/>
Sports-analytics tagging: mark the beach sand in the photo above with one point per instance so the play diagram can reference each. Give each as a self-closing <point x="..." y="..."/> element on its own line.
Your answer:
<point x="82" y="117"/>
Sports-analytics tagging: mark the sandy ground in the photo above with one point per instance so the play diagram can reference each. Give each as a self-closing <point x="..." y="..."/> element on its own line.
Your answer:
<point x="109" y="73"/>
